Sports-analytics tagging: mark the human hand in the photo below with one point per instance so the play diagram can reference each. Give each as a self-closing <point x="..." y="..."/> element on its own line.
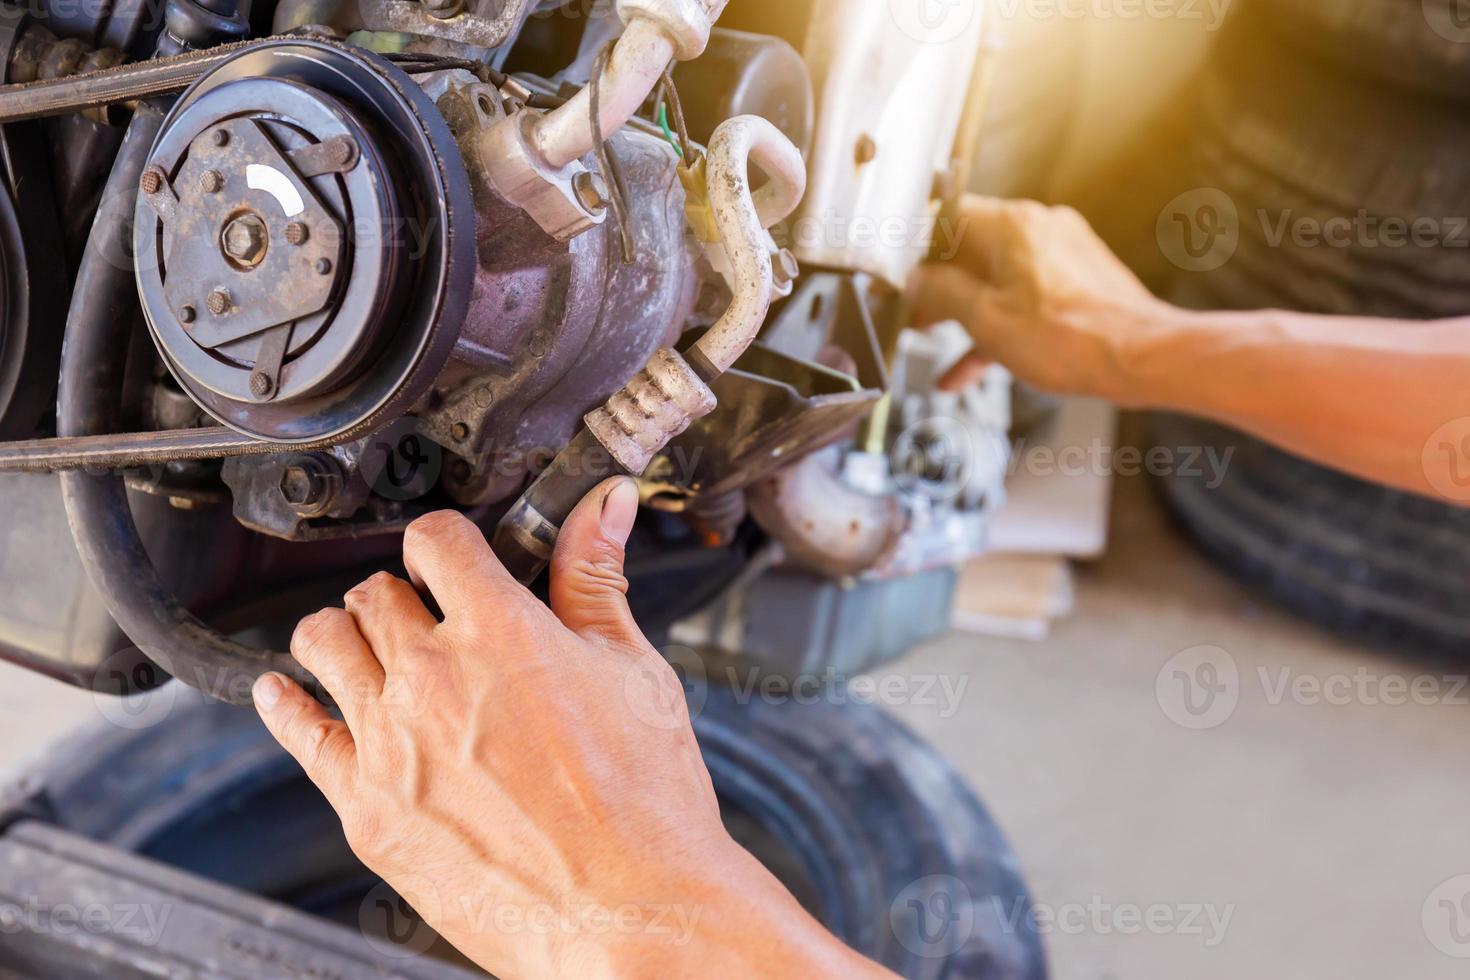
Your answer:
<point x="1040" y="293"/>
<point x="515" y="765"/>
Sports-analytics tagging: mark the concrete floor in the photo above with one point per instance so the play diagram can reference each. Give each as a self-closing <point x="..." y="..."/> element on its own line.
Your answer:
<point x="1324" y="821"/>
<point x="1306" y="834"/>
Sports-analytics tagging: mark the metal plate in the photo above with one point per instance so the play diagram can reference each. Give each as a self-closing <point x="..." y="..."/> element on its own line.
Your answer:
<point x="251" y="179"/>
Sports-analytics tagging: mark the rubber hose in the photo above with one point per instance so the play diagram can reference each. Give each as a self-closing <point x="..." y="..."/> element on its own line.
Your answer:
<point x="98" y="328"/>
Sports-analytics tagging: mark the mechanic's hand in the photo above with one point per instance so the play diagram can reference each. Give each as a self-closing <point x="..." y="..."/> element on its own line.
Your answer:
<point x="1040" y="293"/>
<point x="527" y="778"/>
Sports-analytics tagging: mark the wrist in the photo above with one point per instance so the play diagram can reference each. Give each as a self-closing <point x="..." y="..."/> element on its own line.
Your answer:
<point x="1148" y="355"/>
<point x="724" y="915"/>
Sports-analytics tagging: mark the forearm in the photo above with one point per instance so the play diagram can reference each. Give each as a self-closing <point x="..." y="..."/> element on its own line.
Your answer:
<point x="721" y="915"/>
<point x="1370" y="397"/>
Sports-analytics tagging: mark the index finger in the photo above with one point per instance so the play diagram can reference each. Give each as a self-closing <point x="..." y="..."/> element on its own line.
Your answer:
<point x="446" y="554"/>
<point x="987" y="232"/>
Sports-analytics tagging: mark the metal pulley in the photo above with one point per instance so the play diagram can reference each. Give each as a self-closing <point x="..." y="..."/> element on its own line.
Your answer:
<point x="303" y="228"/>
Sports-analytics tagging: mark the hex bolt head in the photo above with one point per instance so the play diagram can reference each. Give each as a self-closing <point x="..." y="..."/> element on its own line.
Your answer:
<point x="261" y="384"/>
<point x="245" y="239"/>
<point x="219" y="301"/>
<point x="211" y="181"/>
<point x="297" y="233"/>
<point x="151" y="181"/>
<point x="590" y="191"/>
<point x="308" y="484"/>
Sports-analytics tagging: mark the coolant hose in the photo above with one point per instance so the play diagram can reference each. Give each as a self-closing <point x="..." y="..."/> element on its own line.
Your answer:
<point x="99" y="326"/>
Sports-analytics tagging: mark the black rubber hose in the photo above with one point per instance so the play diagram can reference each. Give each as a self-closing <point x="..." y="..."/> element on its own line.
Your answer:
<point x="98" y="329"/>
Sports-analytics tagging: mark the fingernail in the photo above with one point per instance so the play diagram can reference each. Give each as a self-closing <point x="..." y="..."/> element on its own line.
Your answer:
<point x="268" y="690"/>
<point x="620" y="510"/>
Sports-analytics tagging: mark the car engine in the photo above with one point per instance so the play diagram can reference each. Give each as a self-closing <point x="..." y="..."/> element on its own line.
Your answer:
<point x="335" y="264"/>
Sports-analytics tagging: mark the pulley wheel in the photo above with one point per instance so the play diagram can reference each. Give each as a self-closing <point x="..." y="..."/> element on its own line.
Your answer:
<point x="305" y="241"/>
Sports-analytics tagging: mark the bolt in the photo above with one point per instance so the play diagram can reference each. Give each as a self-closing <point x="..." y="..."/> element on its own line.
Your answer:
<point x="245" y="239"/>
<point x="785" y="267"/>
<point x="307" y="484"/>
<point x="261" y="384"/>
<point x="186" y="313"/>
<point x="342" y="150"/>
<point x="323" y="266"/>
<point x="152" y="180"/>
<point x="459" y="431"/>
<point x="443" y="9"/>
<point x="211" y="181"/>
<point x="219" y="137"/>
<point x="219" y="301"/>
<point x="866" y="149"/>
<point x="590" y="190"/>
<point x="296" y="233"/>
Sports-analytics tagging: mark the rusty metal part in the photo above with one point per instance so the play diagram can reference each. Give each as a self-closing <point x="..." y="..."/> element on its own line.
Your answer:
<point x="741" y="218"/>
<point x="822" y="523"/>
<point x="555" y="328"/>
<point x="132" y="449"/>
<point x="251" y="181"/>
<point x="533" y="158"/>
<point x="773" y="410"/>
<point x="484" y="24"/>
<point x="659" y="403"/>
<point x="306" y="334"/>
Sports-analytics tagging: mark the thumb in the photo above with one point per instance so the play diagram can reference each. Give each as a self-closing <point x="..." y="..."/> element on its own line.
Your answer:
<point x="588" y="589"/>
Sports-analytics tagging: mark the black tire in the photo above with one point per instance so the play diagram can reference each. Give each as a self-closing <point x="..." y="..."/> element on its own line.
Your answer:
<point x="856" y="815"/>
<point x="1285" y="136"/>
<point x="1299" y="147"/>
<point x="1421" y="46"/>
<point x="1380" y="566"/>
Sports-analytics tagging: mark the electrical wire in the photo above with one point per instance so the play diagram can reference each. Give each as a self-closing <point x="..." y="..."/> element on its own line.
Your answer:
<point x="669" y="95"/>
<point x="611" y="173"/>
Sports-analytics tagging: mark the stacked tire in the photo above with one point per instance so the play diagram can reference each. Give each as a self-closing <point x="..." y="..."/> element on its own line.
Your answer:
<point x="868" y="826"/>
<point x="1337" y="132"/>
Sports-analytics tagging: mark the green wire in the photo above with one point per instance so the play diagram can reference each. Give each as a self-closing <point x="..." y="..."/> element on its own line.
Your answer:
<point x="663" y="120"/>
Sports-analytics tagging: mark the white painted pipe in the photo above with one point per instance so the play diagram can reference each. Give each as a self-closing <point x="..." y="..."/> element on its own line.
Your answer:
<point x="742" y="219"/>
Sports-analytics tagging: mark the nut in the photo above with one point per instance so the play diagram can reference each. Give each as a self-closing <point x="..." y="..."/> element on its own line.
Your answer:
<point x="245" y="240"/>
